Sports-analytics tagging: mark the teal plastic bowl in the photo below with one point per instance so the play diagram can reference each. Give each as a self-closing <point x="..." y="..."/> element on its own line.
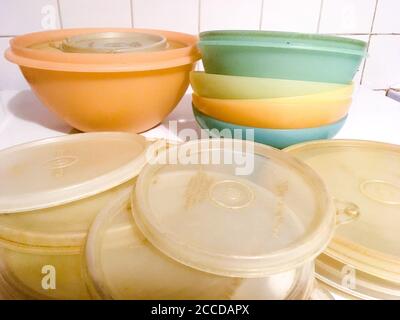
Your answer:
<point x="282" y="55"/>
<point x="273" y="137"/>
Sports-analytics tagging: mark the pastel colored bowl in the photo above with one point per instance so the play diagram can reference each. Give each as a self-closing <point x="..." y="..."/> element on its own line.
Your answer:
<point x="283" y="113"/>
<point x="106" y="92"/>
<point x="218" y="86"/>
<point x="282" y="55"/>
<point x="274" y="137"/>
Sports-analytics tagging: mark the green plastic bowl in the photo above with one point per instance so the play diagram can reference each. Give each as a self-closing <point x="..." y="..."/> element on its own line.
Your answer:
<point x="282" y="55"/>
<point x="277" y="138"/>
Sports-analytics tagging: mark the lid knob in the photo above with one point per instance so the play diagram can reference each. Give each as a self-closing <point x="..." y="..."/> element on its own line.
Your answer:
<point x="231" y="194"/>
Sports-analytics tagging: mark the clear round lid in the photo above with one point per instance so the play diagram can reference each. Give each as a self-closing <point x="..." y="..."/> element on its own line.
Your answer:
<point x="367" y="174"/>
<point x="233" y="208"/>
<point x="59" y="170"/>
<point x="122" y="264"/>
<point x="114" y="42"/>
<point x="50" y="190"/>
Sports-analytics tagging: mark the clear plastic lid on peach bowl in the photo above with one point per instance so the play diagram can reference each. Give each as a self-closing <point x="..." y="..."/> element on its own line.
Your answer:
<point x="367" y="174"/>
<point x="25" y="51"/>
<point x="51" y="189"/>
<point x="233" y="208"/>
<point x="114" y="42"/>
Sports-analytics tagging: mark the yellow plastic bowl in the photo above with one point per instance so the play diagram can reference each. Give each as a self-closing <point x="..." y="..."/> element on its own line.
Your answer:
<point x="106" y="92"/>
<point x="285" y="113"/>
<point x="234" y="87"/>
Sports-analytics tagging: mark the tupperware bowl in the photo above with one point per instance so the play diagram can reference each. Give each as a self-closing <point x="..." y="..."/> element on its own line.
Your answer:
<point x="129" y="91"/>
<point x="122" y="264"/>
<point x="281" y="55"/>
<point x="278" y="113"/>
<point x="235" y="87"/>
<point x="51" y="190"/>
<point x="278" y="138"/>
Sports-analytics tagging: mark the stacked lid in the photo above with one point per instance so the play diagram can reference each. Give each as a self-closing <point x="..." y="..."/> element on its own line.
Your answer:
<point x="206" y="219"/>
<point x="219" y="219"/>
<point x="363" y="258"/>
<point x="123" y="264"/>
<point x="51" y="190"/>
<point x="195" y="228"/>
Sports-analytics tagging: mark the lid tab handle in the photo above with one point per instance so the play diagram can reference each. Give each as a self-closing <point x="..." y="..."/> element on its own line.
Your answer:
<point x="346" y="211"/>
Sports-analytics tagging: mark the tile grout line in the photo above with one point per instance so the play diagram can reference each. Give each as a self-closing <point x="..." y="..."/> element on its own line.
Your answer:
<point x="369" y="42"/>
<point x="198" y="16"/>
<point x="59" y="14"/>
<point x="321" y="6"/>
<point x="131" y="9"/>
<point x="261" y="15"/>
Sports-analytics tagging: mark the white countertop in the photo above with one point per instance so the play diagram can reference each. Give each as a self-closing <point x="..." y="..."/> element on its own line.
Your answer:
<point x="373" y="116"/>
<point x="23" y="118"/>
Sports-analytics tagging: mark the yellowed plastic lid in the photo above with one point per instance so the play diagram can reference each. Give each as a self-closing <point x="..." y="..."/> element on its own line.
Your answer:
<point x="321" y="293"/>
<point x="60" y="170"/>
<point x="114" y="42"/>
<point x="233" y="208"/>
<point x="347" y="280"/>
<point x="368" y="175"/>
<point x="122" y="264"/>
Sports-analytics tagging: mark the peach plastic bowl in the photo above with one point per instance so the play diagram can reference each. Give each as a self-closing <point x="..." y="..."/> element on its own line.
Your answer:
<point x="279" y="113"/>
<point x="107" y="92"/>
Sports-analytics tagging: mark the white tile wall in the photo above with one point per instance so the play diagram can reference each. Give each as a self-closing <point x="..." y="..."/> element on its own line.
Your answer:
<point x="347" y="16"/>
<point x="374" y="20"/>
<point x="291" y="15"/>
<point x="10" y="77"/>
<point x="22" y="16"/>
<point x="95" y="13"/>
<point x="383" y="68"/>
<point x="177" y="15"/>
<point x="230" y="14"/>
<point x="387" y="19"/>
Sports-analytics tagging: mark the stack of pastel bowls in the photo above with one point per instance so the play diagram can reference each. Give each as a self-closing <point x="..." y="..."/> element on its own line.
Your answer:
<point x="286" y="87"/>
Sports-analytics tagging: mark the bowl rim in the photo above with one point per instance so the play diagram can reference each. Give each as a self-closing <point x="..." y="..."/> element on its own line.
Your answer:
<point x="202" y="80"/>
<point x="339" y="122"/>
<point x="284" y="40"/>
<point x="281" y="115"/>
<point x="20" y="53"/>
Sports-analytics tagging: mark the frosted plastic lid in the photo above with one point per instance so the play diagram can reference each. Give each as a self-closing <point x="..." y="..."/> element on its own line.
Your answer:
<point x="367" y="174"/>
<point x="246" y="210"/>
<point x="122" y="264"/>
<point x="60" y="170"/>
<point x="350" y="281"/>
<point x="114" y="42"/>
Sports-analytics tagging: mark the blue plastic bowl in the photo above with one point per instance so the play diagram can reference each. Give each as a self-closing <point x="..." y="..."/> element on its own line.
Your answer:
<point x="277" y="138"/>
